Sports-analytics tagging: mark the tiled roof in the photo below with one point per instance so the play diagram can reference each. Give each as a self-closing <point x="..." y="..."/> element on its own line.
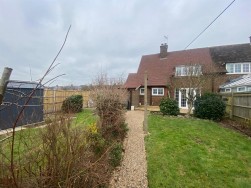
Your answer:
<point x="160" y="70"/>
<point x="244" y="80"/>
<point x="231" y="53"/>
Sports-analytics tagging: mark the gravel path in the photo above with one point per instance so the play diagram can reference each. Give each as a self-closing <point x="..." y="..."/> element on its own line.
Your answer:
<point x="133" y="170"/>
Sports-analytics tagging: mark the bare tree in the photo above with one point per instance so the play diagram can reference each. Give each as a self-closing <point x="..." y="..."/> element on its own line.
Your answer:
<point x="192" y="79"/>
<point x="19" y="116"/>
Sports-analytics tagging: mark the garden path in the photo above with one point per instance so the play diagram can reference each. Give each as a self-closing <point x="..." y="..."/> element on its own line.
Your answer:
<point x="133" y="169"/>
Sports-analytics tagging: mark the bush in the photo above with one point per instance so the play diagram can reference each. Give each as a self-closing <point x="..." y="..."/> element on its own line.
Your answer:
<point x="72" y="104"/>
<point x="116" y="154"/>
<point x="209" y="106"/>
<point x="169" y="107"/>
<point x="109" y="102"/>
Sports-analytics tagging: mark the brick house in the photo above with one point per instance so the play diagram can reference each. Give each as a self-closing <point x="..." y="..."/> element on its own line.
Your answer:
<point x="168" y="72"/>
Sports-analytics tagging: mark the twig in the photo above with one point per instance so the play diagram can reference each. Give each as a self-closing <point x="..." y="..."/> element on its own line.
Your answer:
<point x="22" y="109"/>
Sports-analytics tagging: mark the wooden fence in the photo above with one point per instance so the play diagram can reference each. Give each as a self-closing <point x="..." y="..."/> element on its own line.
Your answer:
<point x="239" y="106"/>
<point x="53" y="99"/>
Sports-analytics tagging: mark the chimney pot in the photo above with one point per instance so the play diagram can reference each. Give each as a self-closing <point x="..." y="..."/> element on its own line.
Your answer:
<point x="163" y="50"/>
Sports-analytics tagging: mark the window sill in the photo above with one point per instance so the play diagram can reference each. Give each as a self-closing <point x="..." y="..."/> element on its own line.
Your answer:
<point x="239" y="73"/>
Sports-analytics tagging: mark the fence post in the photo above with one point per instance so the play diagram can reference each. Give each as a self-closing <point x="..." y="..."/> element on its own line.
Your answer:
<point x="145" y="103"/>
<point x="3" y="82"/>
<point x="54" y="101"/>
<point x="232" y="105"/>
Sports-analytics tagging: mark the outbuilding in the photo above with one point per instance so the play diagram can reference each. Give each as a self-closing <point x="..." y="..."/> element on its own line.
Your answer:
<point x="15" y="98"/>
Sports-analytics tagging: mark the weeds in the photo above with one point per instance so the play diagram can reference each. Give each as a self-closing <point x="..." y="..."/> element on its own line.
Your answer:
<point x="68" y="153"/>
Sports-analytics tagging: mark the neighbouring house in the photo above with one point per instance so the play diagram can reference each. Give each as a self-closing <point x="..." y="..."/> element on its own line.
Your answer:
<point x="173" y="74"/>
<point x="240" y="84"/>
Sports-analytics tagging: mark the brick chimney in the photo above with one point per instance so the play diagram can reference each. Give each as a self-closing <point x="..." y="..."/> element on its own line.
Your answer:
<point x="163" y="50"/>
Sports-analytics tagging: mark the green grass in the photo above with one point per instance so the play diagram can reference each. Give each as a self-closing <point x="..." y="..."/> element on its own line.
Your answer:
<point x="86" y="117"/>
<point x="27" y="140"/>
<point x="196" y="153"/>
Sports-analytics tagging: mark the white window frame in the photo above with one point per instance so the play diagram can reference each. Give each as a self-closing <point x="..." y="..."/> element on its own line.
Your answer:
<point x="240" y="88"/>
<point x="179" y="96"/>
<point x="142" y="91"/>
<point x="234" y="68"/>
<point x="183" y="70"/>
<point x="158" y="93"/>
<point x="228" y="90"/>
<point x="249" y="67"/>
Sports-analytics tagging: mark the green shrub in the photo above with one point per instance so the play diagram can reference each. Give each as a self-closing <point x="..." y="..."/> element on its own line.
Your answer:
<point x="169" y="107"/>
<point x="72" y="104"/>
<point x="97" y="143"/>
<point x="116" y="155"/>
<point x="209" y="106"/>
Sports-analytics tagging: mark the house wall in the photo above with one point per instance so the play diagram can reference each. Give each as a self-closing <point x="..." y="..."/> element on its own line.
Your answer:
<point x="155" y="100"/>
<point x="209" y="83"/>
<point x="141" y="97"/>
<point x="134" y="98"/>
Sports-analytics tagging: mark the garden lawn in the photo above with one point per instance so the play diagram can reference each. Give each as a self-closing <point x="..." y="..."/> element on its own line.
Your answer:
<point x="196" y="153"/>
<point x="29" y="139"/>
<point x="86" y="117"/>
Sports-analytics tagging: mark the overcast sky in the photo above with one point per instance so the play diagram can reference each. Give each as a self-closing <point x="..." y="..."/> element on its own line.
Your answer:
<point x="109" y="36"/>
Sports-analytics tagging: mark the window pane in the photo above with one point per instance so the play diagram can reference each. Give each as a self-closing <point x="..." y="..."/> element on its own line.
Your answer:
<point x="160" y="91"/>
<point x="183" y="71"/>
<point x="142" y="91"/>
<point x="237" y="67"/>
<point x="230" y="68"/>
<point x="178" y="71"/>
<point x="155" y="91"/>
<point x="246" y="67"/>
<point x="177" y="94"/>
<point x="241" y="89"/>
<point x="183" y="98"/>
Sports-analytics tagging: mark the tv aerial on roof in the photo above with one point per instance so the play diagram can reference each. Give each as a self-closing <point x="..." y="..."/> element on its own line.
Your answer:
<point x="166" y="37"/>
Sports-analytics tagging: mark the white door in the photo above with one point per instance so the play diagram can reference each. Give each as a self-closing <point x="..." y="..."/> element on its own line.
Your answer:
<point x="181" y="96"/>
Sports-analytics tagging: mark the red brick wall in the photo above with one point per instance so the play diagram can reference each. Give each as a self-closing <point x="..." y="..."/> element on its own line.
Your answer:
<point x="210" y="84"/>
<point x="155" y="100"/>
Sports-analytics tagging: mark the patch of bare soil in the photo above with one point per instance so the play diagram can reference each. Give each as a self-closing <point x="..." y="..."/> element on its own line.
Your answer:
<point x="237" y="126"/>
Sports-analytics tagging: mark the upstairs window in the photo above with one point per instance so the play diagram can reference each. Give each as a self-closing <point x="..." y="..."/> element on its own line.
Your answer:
<point x="246" y="67"/>
<point x="238" y="68"/>
<point x="158" y="91"/>
<point x="194" y="70"/>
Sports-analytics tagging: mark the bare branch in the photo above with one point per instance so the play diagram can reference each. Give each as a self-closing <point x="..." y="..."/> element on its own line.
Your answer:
<point x="27" y="101"/>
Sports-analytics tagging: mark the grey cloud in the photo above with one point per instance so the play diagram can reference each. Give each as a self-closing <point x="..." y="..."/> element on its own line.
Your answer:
<point x="109" y="35"/>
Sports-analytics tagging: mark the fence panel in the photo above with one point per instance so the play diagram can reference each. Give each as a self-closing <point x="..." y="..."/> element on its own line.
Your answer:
<point x="239" y="105"/>
<point x="53" y="99"/>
